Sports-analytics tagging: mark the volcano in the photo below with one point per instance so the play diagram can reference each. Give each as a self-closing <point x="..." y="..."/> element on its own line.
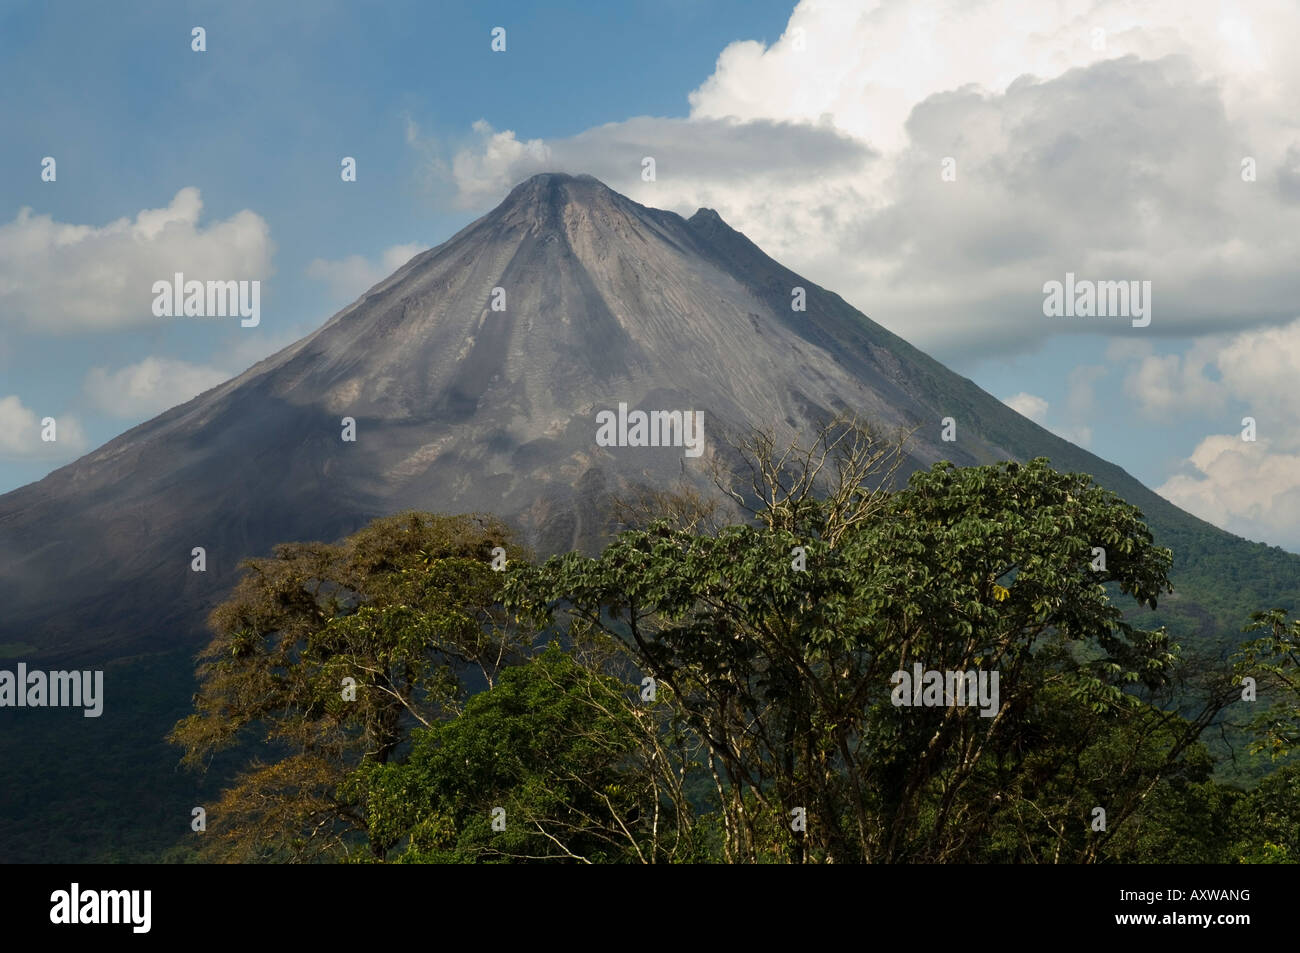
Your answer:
<point x="472" y="380"/>
<point x="473" y="377"/>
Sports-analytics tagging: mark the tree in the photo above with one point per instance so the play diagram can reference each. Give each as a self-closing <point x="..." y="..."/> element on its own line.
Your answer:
<point x="777" y="721"/>
<point x="555" y="762"/>
<point x="1273" y="660"/>
<point x="1267" y="820"/>
<point x="785" y="673"/>
<point x="333" y="652"/>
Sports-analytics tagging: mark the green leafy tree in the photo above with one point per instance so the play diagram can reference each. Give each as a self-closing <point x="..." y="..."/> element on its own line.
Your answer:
<point x="785" y="673"/>
<point x="1266" y="821"/>
<point x="324" y="658"/>
<point x="555" y="762"/>
<point x="1273" y="661"/>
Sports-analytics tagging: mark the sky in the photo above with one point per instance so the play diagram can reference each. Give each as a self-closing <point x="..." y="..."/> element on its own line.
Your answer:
<point x="938" y="163"/>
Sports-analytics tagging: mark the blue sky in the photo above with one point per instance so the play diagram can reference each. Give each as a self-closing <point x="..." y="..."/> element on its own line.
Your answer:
<point x="816" y="130"/>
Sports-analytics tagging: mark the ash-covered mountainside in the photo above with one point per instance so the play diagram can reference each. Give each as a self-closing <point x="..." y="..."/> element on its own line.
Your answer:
<point x="474" y="375"/>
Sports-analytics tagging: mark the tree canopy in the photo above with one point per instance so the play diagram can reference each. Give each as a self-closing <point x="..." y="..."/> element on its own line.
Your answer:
<point x="859" y="672"/>
<point x="329" y="654"/>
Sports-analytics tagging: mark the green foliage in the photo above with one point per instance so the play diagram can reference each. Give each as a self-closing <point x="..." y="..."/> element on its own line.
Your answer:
<point x="553" y="746"/>
<point x="331" y="653"/>
<point x="1273" y="660"/>
<point x="1266" y="822"/>
<point x="773" y="689"/>
<point x="787" y="674"/>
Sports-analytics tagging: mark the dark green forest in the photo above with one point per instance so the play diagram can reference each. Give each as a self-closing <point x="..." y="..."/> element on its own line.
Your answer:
<point x="722" y="690"/>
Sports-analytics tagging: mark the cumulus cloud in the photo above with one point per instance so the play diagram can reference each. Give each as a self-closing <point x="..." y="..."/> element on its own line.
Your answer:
<point x="349" y="277"/>
<point x="1078" y="434"/>
<point x="21" y="431"/>
<point x="157" y="383"/>
<point x="149" y="387"/>
<point x="1249" y="487"/>
<point x="1101" y="137"/>
<point x="1245" y="487"/>
<point x="691" y="156"/>
<point x="1256" y="370"/>
<point x="1168" y="384"/>
<point x="1078" y="406"/>
<point x="57" y="277"/>
<point x="496" y="162"/>
<point x="1028" y="405"/>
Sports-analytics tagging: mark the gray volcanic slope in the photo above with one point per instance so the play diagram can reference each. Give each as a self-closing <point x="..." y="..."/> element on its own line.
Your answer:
<point x="459" y="408"/>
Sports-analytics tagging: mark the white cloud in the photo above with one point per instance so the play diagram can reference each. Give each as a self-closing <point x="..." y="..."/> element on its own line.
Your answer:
<point x="348" y="278"/>
<point x="157" y="383"/>
<point x="1079" y="405"/>
<point x="57" y="277"/>
<point x="1166" y="384"/>
<point x="1115" y="163"/>
<point x="21" y="429"/>
<point x="1078" y="434"/>
<point x="149" y="387"/>
<point x="1242" y="486"/>
<point x="490" y="170"/>
<point x="1249" y="487"/>
<point x="1256" y="369"/>
<point x="1028" y="405"/>
<point x="693" y="158"/>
